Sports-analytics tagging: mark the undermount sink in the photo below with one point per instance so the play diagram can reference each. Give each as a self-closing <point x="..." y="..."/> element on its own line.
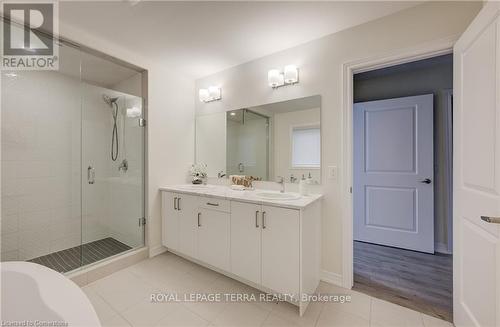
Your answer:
<point x="196" y="187"/>
<point x="277" y="196"/>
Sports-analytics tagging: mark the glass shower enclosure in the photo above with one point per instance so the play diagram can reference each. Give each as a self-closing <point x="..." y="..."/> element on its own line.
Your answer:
<point x="72" y="157"/>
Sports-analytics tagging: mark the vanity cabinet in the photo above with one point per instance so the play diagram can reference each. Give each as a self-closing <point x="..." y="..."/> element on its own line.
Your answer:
<point x="272" y="247"/>
<point x="180" y="222"/>
<point x="280" y="249"/>
<point x="187" y="209"/>
<point x="213" y="238"/>
<point x="265" y="245"/>
<point x="246" y="239"/>
<point x="170" y="220"/>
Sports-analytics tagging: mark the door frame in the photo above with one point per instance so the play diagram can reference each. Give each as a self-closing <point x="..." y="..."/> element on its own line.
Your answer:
<point x="388" y="59"/>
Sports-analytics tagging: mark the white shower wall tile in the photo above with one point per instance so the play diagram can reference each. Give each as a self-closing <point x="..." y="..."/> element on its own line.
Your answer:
<point x="9" y="224"/>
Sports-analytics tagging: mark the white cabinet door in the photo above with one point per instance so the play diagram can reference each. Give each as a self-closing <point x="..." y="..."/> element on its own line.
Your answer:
<point x="280" y="249"/>
<point x="187" y="210"/>
<point x="213" y="238"/>
<point x="476" y="176"/>
<point x="246" y="240"/>
<point x="170" y="220"/>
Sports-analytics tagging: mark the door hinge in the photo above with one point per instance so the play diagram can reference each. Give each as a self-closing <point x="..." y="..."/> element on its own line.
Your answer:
<point x="142" y="221"/>
<point x="142" y="122"/>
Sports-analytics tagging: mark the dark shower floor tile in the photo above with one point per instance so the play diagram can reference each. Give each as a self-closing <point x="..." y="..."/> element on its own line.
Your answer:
<point x="75" y="257"/>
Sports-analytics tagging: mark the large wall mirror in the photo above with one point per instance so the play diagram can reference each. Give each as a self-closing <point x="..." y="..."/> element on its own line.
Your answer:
<point x="267" y="141"/>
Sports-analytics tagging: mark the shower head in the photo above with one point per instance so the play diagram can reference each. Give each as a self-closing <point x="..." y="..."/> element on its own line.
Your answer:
<point x="109" y="100"/>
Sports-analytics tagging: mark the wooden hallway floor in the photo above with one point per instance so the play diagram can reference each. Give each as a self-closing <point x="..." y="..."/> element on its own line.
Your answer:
<point x="419" y="281"/>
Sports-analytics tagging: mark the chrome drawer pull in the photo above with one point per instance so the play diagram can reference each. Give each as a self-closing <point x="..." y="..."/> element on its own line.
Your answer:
<point x="213" y="204"/>
<point x="199" y="221"/>
<point x="175" y="203"/>
<point x="263" y="220"/>
<point x="257" y="219"/>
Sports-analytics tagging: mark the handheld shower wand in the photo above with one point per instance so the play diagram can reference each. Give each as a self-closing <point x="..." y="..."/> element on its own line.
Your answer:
<point x="113" y="102"/>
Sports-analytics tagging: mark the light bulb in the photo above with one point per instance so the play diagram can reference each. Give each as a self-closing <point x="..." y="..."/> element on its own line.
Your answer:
<point x="291" y="74"/>
<point x="203" y="95"/>
<point x="274" y="78"/>
<point x="214" y="93"/>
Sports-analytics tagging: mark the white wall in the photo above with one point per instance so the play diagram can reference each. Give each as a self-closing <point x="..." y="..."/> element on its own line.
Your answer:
<point x="211" y="142"/>
<point x="320" y="64"/>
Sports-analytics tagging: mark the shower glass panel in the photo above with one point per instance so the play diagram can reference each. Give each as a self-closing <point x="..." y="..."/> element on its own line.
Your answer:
<point x="41" y="163"/>
<point x="247" y="144"/>
<point x="67" y="200"/>
<point x="112" y="156"/>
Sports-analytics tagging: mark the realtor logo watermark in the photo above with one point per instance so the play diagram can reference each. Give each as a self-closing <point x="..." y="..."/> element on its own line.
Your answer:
<point x="28" y="31"/>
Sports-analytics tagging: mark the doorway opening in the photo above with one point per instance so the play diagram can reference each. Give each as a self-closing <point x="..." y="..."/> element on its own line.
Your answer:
<point x="402" y="184"/>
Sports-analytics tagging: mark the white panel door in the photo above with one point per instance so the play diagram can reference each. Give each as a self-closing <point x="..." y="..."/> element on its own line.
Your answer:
<point x="187" y="209"/>
<point x="393" y="172"/>
<point x="476" y="178"/>
<point x="280" y="249"/>
<point x="170" y="220"/>
<point x="213" y="238"/>
<point x="246" y="240"/>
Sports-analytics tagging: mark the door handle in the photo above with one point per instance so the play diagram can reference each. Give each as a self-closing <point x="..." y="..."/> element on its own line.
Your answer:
<point x="212" y="204"/>
<point x="257" y="219"/>
<point x="91" y="175"/>
<point x="492" y="220"/>
<point x="263" y="220"/>
<point x="179" y="204"/>
<point x="199" y="221"/>
<point x="426" y="181"/>
<point x="175" y="203"/>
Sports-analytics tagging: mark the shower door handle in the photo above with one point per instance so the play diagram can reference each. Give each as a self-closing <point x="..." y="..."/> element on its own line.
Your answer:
<point x="91" y="175"/>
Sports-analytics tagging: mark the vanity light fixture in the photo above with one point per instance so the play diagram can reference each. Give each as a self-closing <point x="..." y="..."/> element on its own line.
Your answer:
<point x="213" y="93"/>
<point x="276" y="78"/>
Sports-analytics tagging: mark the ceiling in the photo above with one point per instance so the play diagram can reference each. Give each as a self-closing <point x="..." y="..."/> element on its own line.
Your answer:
<point x="201" y="38"/>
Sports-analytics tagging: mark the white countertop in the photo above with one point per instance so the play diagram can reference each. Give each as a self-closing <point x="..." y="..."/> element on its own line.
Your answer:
<point x="225" y="192"/>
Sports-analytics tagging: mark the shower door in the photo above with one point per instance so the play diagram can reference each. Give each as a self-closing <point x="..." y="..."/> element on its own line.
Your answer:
<point x="67" y="199"/>
<point x="112" y="159"/>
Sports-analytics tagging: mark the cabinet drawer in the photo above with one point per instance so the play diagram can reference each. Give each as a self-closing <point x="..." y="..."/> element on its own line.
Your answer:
<point x="215" y="204"/>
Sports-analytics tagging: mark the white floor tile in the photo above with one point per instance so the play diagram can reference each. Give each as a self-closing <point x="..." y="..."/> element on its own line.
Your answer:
<point x="207" y="310"/>
<point x="182" y="317"/>
<point x="290" y="313"/>
<point x="386" y="314"/>
<point x="104" y="311"/>
<point x="274" y="320"/>
<point x="148" y="313"/>
<point x="116" y="321"/>
<point x="122" y="290"/>
<point x="123" y="299"/>
<point x="241" y="315"/>
<point x="435" y="322"/>
<point x="360" y="304"/>
<point x="337" y="318"/>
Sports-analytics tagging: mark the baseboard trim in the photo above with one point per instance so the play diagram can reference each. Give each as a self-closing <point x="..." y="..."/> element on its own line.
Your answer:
<point x="332" y="278"/>
<point x="441" y="248"/>
<point x="157" y="250"/>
